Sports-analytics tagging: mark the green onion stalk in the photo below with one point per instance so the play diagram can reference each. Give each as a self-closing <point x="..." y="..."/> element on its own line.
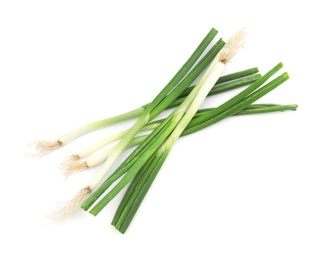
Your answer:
<point x="207" y="119"/>
<point x="182" y="80"/>
<point x="142" y="170"/>
<point x="225" y="83"/>
<point x="44" y="147"/>
<point x="176" y="86"/>
<point x="96" y="157"/>
<point x="164" y="136"/>
<point x="143" y="164"/>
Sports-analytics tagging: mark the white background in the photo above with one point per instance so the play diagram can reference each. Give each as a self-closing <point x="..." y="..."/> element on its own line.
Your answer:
<point x="241" y="189"/>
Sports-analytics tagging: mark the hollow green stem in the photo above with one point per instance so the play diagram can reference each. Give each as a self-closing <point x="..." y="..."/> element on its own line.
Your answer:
<point x="223" y="87"/>
<point x="138" y="190"/>
<point x="143" y="150"/>
<point x="194" y="73"/>
<point x="133" y="198"/>
<point x="200" y="122"/>
<point x="260" y="110"/>
<point x="231" y="102"/>
<point x="140" y="161"/>
<point x="252" y="109"/>
<point x="237" y="75"/>
<point x="230" y="81"/>
<point x="180" y="118"/>
<point x="126" y="165"/>
<point x="234" y="83"/>
<point x="170" y="92"/>
<point x="207" y="120"/>
<point x="131" y="189"/>
<point x="184" y="69"/>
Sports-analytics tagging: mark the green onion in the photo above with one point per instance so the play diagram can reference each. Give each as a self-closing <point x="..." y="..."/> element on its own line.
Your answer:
<point x="141" y="167"/>
<point x="194" y="125"/>
<point x="202" y="121"/>
<point x="242" y="101"/>
<point x="72" y="166"/>
<point x="175" y="124"/>
<point x="183" y="78"/>
<point x="44" y="147"/>
<point x="161" y="101"/>
<point x="220" y="88"/>
<point x="237" y="79"/>
<point x="228" y="82"/>
<point x="141" y="183"/>
<point x="136" y="193"/>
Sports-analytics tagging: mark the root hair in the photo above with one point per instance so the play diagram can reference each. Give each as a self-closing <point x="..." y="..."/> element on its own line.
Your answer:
<point x="68" y="208"/>
<point x="233" y="45"/>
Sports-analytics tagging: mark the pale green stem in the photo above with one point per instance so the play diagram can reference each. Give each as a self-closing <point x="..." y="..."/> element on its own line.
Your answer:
<point x="100" y="157"/>
<point x="71" y="136"/>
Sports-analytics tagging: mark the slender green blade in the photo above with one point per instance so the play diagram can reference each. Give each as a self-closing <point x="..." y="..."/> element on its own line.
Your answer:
<point x="131" y="189"/>
<point x="260" y="110"/>
<point x="239" y="96"/>
<point x="203" y="122"/>
<point x="132" y="201"/>
<point x="237" y="75"/>
<point x="184" y="69"/>
<point x="254" y="109"/>
<point x="138" y="197"/>
<point x="192" y="75"/>
<point x="197" y="123"/>
<point x="217" y="89"/>
<point x="128" y="163"/>
<point x="140" y="161"/>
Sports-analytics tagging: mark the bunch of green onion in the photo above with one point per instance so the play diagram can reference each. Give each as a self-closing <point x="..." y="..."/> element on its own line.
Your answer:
<point x="143" y="164"/>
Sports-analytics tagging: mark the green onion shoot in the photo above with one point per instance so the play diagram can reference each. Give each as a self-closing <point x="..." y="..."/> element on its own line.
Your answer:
<point x="154" y="139"/>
